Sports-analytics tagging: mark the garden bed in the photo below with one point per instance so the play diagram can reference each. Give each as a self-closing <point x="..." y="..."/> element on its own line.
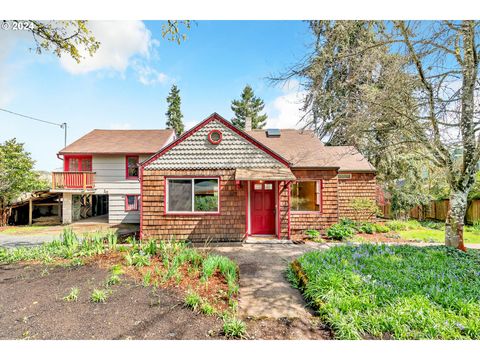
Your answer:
<point x="393" y="291"/>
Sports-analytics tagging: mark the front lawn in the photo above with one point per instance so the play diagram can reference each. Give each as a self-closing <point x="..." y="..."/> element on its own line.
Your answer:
<point x="398" y="292"/>
<point x="471" y="235"/>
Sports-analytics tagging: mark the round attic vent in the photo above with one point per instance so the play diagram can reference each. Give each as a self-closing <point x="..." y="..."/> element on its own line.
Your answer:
<point x="215" y="137"/>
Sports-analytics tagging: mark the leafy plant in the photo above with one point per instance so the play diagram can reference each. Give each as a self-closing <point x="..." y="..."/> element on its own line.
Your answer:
<point x="193" y="300"/>
<point x="147" y="277"/>
<point x="99" y="296"/>
<point x="367" y="228"/>
<point x="72" y="295"/>
<point x="114" y="279"/>
<point x="206" y="308"/>
<point x="340" y="232"/>
<point x="234" y="328"/>
<point x="313" y="234"/>
<point x="379" y="228"/>
<point x="206" y="203"/>
<point x="364" y="208"/>
<point x="403" y="292"/>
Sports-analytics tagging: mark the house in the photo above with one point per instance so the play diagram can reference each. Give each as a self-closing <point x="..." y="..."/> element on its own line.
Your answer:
<point x="219" y="183"/>
<point x="100" y="173"/>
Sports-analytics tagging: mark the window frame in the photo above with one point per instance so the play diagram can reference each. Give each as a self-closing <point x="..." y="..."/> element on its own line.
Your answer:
<point x="127" y="176"/>
<point x="319" y="185"/>
<point x="166" y="210"/>
<point x="137" y="196"/>
<point x="79" y="158"/>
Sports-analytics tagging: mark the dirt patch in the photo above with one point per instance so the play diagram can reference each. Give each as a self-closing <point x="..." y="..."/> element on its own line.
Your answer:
<point x="31" y="307"/>
<point x="287" y="329"/>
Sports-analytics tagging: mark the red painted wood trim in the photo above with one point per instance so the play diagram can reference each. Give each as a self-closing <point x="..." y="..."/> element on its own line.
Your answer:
<point x="288" y="226"/>
<point x="279" y="234"/>
<point x="247" y="215"/>
<point x="141" y="201"/>
<point x="127" y="177"/>
<point x="193" y="213"/>
<point x="215" y="142"/>
<point x="66" y="158"/>
<point x="126" y="202"/>
<point x="211" y="118"/>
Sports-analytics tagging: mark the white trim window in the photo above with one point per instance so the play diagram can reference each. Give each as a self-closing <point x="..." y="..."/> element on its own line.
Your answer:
<point x="192" y="195"/>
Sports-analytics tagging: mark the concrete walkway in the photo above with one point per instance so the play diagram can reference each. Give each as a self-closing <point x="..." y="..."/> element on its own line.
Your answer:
<point x="264" y="290"/>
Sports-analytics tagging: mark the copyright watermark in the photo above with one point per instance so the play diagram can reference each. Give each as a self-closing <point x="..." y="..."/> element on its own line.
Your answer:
<point x="16" y="25"/>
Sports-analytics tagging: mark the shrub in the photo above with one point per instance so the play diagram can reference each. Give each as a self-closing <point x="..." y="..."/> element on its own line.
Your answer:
<point x="98" y="296"/>
<point x="234" y="328"/>
<point x="339" y="232"/>
<point x="313" y="234"/>
<point x="396" y="225"/>
<point x="367" y="228"/>
<point x="72" y="295"/>
<point x="379" y="228"/>
<point x="363" y="207"/>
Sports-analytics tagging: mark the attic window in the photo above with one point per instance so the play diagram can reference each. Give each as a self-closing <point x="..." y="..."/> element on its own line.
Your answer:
<point x="273" y="133"/>
<point x="344" y="176"/>
<point x="215" y="137"/>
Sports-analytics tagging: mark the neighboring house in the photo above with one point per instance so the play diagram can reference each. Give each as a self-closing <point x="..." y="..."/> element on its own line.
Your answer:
<point x="100" y="173"/>
<point x="219" y="183"/>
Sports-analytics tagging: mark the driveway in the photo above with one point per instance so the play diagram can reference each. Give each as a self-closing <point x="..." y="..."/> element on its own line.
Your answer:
<point x="264" y="290"/>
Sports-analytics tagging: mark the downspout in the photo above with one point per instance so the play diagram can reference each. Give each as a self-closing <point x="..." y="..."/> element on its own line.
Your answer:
<point x="140" y="178"/>
<point x="288" y="217"/>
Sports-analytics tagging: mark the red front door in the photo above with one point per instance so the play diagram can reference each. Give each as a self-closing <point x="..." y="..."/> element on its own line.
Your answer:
<point x="262" y="205"/>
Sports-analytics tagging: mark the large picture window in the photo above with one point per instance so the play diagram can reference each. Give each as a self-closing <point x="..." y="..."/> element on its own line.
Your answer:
<point x="195" y="195"/>
<point x="306" y="196"/>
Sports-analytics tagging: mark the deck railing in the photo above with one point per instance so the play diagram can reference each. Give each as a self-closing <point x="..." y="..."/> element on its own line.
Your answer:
<point x="73" y="180"/>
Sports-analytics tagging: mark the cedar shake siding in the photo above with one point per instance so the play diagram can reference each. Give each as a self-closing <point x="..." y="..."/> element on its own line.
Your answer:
<point x="361" y="185"/>
<point x="229" y="225"/>
<point x="301" y="221"/>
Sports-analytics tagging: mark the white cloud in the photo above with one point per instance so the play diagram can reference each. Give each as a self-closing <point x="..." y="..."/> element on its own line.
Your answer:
<point x="284" y="111"/>
<point x="122" y="44"/>
<point x="148" y="75"/>
<point x="120" y="126"/>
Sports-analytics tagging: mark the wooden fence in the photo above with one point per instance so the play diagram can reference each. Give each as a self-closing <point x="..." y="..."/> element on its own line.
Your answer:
<point x="437" y="210"/>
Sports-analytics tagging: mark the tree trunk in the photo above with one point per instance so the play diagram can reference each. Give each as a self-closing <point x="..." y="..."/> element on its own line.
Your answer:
<point x="455" y="219"/>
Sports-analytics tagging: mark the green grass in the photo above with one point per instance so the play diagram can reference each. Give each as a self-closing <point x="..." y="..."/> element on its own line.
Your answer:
<point x="400" y="292"/>
<point x="227" y="268"/>
<point x="193" y="300"/>
<point x="470" y="235"/>
<point x="234" y="328"/>
<point x="99" y="296"/>
<point x="72" y="295"/>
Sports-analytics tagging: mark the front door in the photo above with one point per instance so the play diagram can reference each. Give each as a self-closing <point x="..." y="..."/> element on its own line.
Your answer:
<point x="262" y="205"/>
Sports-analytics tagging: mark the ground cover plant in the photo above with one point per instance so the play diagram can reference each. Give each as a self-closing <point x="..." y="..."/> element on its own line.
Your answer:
<point x="393" y="291"/>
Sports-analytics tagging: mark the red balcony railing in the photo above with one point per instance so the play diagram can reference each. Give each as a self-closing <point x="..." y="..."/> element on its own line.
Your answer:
<point x="73" y="180"/>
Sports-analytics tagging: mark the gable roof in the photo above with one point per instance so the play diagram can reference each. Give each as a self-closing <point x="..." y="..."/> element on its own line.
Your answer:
<point x="305" y="150"/>
<point x="236" y="150"/>
<point x="120" y="142"/>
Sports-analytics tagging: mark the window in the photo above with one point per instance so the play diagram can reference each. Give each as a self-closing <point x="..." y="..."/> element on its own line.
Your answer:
<point x="132" y="167"/>
<point x="192" y="195"/>
<point x="78" y="163"/>
<point x="344" y="176"/>
<point x="306" y="196"/>
<point x="132" y="202"/>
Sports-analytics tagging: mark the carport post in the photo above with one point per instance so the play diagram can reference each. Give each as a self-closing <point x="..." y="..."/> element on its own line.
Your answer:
<point x="30" y="211"/>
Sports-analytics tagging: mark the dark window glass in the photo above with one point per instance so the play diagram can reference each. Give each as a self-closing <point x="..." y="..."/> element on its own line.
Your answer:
<point x="132" y="166"/>
<point x="179" y="195"/>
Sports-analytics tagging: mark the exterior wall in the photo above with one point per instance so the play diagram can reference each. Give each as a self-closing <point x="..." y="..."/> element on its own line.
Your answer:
<point x="229" y="225"/>
<point x="301" y="221"/>
<point x="110" y="178"/>
<point x="361" y="185"/>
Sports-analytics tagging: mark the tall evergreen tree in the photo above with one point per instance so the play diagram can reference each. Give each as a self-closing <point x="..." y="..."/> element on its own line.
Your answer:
<point x="174" y="114"/>
<point x="248" y="106"/>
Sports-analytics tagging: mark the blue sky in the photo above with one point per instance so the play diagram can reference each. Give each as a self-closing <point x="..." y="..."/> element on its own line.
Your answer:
<point x="125" y="84"/>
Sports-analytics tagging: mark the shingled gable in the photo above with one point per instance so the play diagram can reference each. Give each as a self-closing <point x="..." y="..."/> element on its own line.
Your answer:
<point x="236" y="150"/>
